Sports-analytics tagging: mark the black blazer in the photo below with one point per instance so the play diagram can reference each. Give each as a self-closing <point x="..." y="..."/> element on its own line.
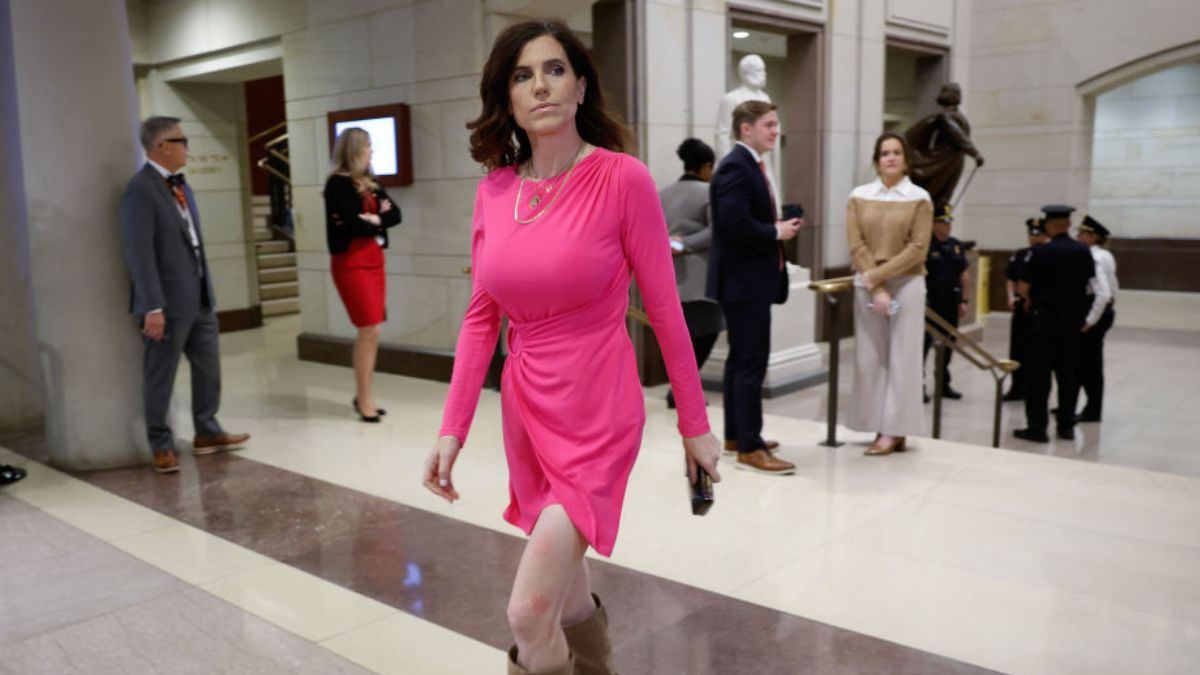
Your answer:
<point x="743" y="263"/>
<point x="343" y="199"/>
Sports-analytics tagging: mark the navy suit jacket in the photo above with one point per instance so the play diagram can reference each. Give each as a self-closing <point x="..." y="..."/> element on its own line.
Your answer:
<point x="163" y="270"/>
<point x="743" y="264"/>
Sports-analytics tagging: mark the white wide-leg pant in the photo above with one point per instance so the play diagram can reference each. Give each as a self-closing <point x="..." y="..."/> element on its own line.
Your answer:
<point x="887" y="356"/>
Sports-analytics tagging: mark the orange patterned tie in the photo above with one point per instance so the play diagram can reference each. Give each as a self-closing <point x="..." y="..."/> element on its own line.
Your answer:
<point x="175" y="182"/>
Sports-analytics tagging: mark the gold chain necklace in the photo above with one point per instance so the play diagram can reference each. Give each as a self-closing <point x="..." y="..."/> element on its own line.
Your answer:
<point x="536" y="199"/>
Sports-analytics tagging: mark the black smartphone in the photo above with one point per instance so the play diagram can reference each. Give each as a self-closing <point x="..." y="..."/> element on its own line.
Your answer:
<point x="792" y="211"/>
<point x="701" y="492"/>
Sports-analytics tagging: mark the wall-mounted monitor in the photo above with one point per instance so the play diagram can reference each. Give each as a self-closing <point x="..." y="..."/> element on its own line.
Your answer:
<point x="390" y="139"/>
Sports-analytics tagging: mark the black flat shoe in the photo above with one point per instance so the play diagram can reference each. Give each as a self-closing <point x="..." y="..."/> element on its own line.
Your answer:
<point x="373" y="419"/>
<point x="1066" y="433"/>
<point x="951" y="393"/>
<point x="10" y="474"/>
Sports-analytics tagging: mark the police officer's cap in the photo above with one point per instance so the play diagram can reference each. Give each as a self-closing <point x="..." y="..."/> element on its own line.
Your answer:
<point x="1057" y="211"/>
<point x="1090" y="224"/>
<point x="1034" y="226"/>
<point x="944" y="215"/>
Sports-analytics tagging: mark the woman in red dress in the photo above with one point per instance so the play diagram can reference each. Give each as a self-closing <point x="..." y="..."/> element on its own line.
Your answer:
<point x="358" y="214"/>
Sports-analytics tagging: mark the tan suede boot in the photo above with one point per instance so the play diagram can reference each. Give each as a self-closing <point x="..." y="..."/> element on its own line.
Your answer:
<point x="515" y="668"/>
<point x="589" y="641"/>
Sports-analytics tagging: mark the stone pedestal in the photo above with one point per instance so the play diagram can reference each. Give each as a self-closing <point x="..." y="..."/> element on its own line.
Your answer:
<point x="77" y="125"/>
<point x="796" y="360"/>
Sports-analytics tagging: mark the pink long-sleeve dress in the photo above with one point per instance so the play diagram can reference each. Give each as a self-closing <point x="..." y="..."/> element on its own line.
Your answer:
<point x="572" y="405"/>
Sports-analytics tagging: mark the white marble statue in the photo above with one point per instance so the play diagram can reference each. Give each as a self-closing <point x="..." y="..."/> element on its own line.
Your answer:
<point x="752" y="71"/>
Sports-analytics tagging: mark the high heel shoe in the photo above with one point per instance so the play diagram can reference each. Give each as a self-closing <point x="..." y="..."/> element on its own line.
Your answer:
<point x="876" y="449"/>
<point x="373" y="419"/>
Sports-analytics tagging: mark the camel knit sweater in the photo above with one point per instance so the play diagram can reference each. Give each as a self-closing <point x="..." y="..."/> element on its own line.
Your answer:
<point x="889" y="229"/>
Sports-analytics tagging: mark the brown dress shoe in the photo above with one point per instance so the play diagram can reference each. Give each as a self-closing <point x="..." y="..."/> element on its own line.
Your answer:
<point x="165" y="461"/>
<point x="207" y="445"/>
<point x="732" y="446"/>
<point x="763" y="462"/>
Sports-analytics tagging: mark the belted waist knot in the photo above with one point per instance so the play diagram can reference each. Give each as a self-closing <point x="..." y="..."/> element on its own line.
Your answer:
<point x="571" y="328"/>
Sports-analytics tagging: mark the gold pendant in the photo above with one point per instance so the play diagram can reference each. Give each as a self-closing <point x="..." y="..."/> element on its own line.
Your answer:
<point x="534" y="201"/>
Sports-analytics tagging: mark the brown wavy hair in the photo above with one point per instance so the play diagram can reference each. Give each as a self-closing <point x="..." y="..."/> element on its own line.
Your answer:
<point x="879" y="149"/>
<point x="496" y="140"/>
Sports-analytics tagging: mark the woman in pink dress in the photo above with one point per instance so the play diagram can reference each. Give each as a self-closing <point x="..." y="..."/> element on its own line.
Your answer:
<point x="561" y="221"/>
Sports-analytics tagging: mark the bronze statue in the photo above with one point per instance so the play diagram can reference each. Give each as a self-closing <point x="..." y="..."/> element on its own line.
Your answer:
<point x="936" y="146"/>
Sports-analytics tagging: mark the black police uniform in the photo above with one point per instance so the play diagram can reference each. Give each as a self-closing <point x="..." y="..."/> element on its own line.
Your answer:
<point x="944" y="265"/>
<point x="1058" y="273"/>
<point x="1018" y="329"/>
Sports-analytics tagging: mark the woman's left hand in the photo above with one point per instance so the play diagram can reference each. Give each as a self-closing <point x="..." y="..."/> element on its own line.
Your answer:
<point x="371" y="218"/>
<point x="385" y="206"/>
<point x="703" y="450"/>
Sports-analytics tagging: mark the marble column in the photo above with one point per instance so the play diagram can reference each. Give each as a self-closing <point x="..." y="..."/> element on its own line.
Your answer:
<point x="20" y="385"/>
<point x="77" y="123"/>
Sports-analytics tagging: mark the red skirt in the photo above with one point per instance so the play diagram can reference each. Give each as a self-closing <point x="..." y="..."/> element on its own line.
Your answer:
<point x="360" y="280"/>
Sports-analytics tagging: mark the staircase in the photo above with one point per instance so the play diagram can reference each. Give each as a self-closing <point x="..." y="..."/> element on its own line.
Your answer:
<point x="278" y="286"/>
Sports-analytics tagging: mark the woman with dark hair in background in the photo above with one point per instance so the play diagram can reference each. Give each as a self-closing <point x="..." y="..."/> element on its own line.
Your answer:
<point x="685" y="204"/>
<point x="561" y="220"/>
<point x="888" y="222"/>
<point x="358" y="213"/>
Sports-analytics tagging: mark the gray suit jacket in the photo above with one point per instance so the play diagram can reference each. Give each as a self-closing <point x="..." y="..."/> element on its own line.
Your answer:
<point x="163" y="270"/>
<point x="685" y="204"/>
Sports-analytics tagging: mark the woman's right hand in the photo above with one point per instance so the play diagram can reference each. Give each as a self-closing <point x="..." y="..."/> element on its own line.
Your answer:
<point x="703" y="450"/>
<point x="881" y="303"/>
<point x="371" y="218"/>
<point x="438" y="467"/>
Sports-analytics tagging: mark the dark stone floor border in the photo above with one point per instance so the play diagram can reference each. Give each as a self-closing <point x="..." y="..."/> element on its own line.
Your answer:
<point x="457" y="575"/>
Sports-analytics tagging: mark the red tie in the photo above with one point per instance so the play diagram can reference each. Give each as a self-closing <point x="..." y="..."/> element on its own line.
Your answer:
<point x="762" y="166"/>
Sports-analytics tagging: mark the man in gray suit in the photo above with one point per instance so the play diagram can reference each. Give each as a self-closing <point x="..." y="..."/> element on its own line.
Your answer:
<point x="172" y="294"/>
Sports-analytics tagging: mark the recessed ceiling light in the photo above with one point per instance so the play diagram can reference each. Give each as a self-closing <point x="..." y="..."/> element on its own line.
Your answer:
<point x="741" y="34"/>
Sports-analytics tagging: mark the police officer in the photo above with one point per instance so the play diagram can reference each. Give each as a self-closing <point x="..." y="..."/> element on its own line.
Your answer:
<point x="946" y="284"/>
<point x="1018" y="332"/>
<point x="1054" y="284"/>
<point x="1091" y="357"/>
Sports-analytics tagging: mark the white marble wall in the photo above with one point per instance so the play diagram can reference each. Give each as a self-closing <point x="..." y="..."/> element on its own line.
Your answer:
<point x="214" y="118"/>
<point x="1028" y="64"/>
<point x="1146" y="156"/>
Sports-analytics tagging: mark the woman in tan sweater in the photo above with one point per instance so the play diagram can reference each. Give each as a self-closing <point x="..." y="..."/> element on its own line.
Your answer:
<point x="888" y="222"/>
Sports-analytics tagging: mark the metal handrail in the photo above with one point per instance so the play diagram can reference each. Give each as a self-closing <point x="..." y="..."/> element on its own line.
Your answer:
<point x="262" y="164"/>
<point x="275" y="141"/>
<point x="948" y="337"/>
<point x="267" y="132"/>
<point x="829" y="288"/>
<point x="951" y="338"/>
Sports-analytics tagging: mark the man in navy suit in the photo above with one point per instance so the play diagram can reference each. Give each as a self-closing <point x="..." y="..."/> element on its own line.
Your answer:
<point x="747" y="274"/>
<point x="171" y="293"/>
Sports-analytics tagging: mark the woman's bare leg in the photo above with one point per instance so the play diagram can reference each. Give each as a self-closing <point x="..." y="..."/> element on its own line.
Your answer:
<point x="366" y="346"/>
<point x="579" y="604"/>
<point x="549" y="570"/>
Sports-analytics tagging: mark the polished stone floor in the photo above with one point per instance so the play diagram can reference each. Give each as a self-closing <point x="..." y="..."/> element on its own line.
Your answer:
<point x="315" y="549"/>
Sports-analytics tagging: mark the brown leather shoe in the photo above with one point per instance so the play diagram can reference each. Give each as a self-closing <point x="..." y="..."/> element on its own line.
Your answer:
<point x="731" y="447"/>
<point x="763" y="462"/>
<point x="207" y="445"/>
<point x="165" y="461"/>
<point x="896" y="446"/>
